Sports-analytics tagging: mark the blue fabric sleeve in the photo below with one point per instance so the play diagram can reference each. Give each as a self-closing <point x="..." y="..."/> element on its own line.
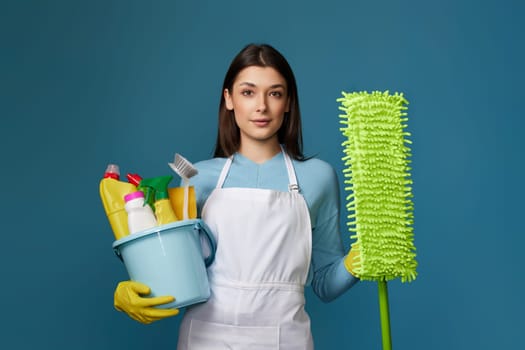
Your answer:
<point x="319" y="185"/>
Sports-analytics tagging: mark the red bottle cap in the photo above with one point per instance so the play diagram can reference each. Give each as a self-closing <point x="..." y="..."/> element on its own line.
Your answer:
<point x="112" y="172"/>
<point x="134" y="179"/>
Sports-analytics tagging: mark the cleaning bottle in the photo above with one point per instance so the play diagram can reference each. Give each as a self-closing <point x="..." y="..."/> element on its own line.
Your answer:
<point x="112" y="192"/>
<point x="140" y="216"/>
<point x="159" y="187"/>
<point x="178" y="203"/>
<point x="149" y="192"/>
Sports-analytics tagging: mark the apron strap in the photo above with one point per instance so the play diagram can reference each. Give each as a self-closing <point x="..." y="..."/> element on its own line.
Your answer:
<point x="292" y="180"/>
<point x="224" y="172"/>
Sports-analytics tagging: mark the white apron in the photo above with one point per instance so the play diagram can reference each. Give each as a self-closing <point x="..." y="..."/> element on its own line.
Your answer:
<point x="264" y="245"/>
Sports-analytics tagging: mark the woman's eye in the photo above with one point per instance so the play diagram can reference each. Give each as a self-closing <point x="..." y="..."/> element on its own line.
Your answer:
<point x="276" y="94"/>
<point x="246" y="92"/>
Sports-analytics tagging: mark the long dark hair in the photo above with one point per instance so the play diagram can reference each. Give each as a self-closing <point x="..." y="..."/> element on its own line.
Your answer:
<point x="290" y="133"/>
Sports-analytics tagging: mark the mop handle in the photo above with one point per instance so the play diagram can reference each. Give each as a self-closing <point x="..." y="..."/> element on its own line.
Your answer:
<point x="384" y="314"/>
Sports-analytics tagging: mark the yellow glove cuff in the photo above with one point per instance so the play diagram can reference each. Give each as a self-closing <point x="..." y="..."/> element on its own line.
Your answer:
<point x="352" y="261"/>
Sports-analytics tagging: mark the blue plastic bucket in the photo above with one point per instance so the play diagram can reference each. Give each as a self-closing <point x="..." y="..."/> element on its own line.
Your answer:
<point x="169" y="259"/>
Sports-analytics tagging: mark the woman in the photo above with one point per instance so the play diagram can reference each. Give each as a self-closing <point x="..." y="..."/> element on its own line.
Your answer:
<point x="274" y="214"/>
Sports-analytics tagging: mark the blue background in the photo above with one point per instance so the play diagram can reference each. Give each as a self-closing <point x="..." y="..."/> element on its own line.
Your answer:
<point x="86" y="83"/>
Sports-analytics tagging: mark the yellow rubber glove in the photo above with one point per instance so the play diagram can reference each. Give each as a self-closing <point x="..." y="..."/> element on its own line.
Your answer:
<point x="129" y="300"/>
<point x="352" y="260"/>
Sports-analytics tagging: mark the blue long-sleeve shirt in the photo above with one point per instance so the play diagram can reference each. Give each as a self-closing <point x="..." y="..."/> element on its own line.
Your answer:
<point x="319" y="186"/>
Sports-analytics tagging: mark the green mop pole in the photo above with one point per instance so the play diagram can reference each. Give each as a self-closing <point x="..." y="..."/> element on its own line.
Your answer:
<point x="384" y="315"/>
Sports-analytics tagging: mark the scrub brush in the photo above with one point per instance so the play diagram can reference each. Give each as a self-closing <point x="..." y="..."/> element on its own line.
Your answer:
<point x="377" y="177"/>
<point x="185" y="170"/>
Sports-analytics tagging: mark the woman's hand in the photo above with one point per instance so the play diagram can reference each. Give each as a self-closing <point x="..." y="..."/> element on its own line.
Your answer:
<point x="352" y="260"/>
<point x="129" y="299"/>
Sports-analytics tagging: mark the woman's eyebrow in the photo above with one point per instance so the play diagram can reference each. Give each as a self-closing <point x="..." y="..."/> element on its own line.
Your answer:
<point x="247" y="83"/>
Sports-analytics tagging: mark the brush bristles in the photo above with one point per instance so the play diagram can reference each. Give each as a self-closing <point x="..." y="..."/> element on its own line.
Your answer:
<point x="183" y="167"/>
<point x="377" y="178"/>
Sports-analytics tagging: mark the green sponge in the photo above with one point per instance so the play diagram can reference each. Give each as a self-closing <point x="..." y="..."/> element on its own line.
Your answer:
<point x="377" y="177"/>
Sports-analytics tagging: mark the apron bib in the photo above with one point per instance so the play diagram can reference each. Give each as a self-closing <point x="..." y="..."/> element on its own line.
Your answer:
<point x="261" y="265"/>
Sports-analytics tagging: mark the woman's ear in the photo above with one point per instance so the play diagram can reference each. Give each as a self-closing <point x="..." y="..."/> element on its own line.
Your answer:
<point x="228" y="100"/>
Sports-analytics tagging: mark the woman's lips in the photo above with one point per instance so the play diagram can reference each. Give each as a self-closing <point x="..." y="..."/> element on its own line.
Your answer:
<point x="261" y="122"/>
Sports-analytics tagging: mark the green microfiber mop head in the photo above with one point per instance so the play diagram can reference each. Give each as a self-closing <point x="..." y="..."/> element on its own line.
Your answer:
<point x="377" y="176"/>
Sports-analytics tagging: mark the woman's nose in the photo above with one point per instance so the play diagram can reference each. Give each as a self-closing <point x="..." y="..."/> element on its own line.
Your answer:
<point x="261" y="104"/>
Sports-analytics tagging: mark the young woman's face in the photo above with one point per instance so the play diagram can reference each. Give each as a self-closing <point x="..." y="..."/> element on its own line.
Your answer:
<point x="259" y="99"/>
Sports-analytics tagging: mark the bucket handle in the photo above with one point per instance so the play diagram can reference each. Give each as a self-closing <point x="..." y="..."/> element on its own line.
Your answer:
<point x="117" y="253"/>
<point x="202" y="228"/>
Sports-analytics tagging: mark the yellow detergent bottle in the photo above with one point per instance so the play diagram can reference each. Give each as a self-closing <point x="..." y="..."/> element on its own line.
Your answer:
<point x="158" y="187"/>
<point x="176" y="195"/>
<point x="112" y="192"/>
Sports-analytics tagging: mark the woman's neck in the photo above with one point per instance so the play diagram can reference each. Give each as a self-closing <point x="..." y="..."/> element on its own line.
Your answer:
<point x="259" y="152"/>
